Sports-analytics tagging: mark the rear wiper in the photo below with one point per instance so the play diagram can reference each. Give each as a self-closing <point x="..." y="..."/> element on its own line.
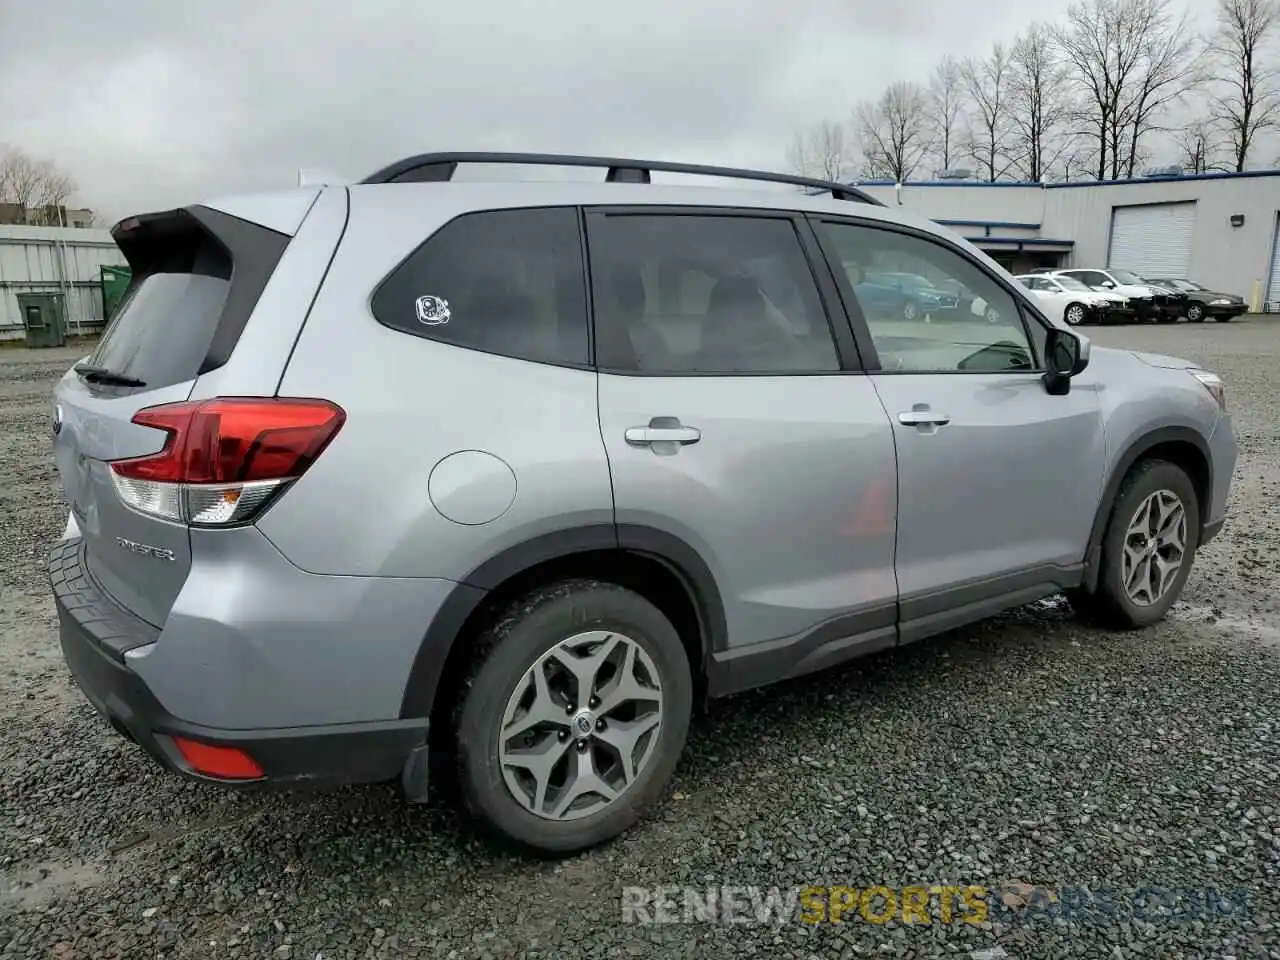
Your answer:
<point x="103" y="375"/>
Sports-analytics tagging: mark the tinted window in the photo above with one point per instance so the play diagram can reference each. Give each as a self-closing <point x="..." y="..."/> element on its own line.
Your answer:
<point x="186" y="305"/>
<point x="706" y="294"/>
<point x="504" y="281"/>
<point x="963" y="320"/>
<point x="162" y="329"/>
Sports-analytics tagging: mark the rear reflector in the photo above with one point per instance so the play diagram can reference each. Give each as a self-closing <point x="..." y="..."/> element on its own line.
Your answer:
<point x="224" y="459"/>
<point x="225" y="763"/>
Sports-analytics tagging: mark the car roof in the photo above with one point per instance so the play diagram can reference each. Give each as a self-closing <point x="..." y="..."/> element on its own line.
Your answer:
<point x="283" y="210"/>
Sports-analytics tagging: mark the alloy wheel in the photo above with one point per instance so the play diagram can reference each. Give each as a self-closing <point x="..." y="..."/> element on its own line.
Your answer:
<point x="581" y="726"/>
<point x="1155" y="546"/>
<point x="1075" y="314"/>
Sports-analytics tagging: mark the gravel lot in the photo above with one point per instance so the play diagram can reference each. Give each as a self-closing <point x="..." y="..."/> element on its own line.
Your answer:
<point x="1026" y="750"/>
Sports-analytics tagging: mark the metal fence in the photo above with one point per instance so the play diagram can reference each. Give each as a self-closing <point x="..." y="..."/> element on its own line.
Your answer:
<point x="68" y="261"/>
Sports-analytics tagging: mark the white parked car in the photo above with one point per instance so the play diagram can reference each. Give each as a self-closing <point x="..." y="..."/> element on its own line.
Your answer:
<point x="1067" y="299"/>
<point x="1148" y="303"/>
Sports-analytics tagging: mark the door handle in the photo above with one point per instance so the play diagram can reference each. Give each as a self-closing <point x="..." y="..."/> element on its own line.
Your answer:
<point x="663" y="430"/>
<point x="923" y="418"/>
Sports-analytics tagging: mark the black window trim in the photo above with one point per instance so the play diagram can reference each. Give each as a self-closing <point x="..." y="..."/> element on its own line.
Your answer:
<point x="576" y="210"/>
<point x="847" y="352"/>
<point x="857" y="321"/>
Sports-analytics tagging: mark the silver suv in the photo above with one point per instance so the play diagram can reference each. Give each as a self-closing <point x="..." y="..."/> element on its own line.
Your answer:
<point x="511" y="474"/>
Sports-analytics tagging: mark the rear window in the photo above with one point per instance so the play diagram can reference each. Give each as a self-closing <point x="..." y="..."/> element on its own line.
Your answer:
<point x="196" y="276"/>
<point x="509" y="282"/>
<point x="161" y="333"/>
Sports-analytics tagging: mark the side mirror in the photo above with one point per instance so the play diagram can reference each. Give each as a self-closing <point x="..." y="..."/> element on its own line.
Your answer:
<point x="1066" y="354"/>
<point x="1107" y="285"/>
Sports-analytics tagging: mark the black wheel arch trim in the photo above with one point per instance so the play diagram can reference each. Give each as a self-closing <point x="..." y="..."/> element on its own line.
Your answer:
<point x="1132" y="454"/>
<point x="682" y="560"/>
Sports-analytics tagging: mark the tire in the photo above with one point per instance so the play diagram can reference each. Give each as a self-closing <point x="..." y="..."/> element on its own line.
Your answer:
<point x="910" y="311"/>
<point x="1195" y="313"/>
<point x="1074" y="310"/>
<point x="529" y="633"/>
<point x="1112" y="605"/>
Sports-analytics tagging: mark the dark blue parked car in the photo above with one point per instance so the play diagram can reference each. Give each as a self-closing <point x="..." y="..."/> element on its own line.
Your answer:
<point x="905" y="295"/>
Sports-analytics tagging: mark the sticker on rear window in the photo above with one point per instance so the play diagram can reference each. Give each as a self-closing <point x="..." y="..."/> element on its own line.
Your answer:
<point x="432" y="311"/>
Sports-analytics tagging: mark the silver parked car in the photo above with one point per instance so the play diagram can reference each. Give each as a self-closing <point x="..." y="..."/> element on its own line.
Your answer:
<point x="511" y="474"/>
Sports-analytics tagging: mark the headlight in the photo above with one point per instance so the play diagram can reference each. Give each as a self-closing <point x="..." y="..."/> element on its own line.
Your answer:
<point x="1213" y="383"/>
<point x="1219" y="303"/>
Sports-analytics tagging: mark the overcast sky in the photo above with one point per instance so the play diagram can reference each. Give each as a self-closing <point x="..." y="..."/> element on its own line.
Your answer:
<point x="151" y="103"/>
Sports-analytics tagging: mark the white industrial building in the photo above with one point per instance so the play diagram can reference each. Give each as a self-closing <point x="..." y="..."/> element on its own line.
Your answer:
<point x="1218" y="229"/>
<point x="55" y="260"/>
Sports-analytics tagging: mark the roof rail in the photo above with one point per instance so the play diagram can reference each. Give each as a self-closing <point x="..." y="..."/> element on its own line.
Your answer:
<point x="440" y="167"/>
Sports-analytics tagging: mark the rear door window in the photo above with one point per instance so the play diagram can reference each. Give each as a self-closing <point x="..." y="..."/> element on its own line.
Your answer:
<point x="700" y="294"/>
<point x="509" y="282"/>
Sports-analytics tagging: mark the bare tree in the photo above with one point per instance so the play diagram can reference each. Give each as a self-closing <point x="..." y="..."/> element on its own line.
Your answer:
<point x="987" y="83"/>
<point x="946" y="104"/>
<point x="1249" y="101"/>
<point x="1166" y="70"/>
<point x="820" y="151"/>
<point x="1079" y="161"/>
<point x="893" y="131"/>
<point x="1129" y="60"/>
<point x="21" y="176"/>
<point x="34" y="186"/>
<point x="1197" y="151"/>
<point x="1039" y="104"/>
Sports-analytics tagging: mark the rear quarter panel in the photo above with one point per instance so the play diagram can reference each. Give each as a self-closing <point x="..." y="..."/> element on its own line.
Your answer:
<point x="368" y="506"/>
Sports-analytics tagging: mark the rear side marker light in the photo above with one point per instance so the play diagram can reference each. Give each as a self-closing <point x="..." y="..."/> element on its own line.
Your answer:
<point x="224" y="763"/>
<point x="224" y="459"/>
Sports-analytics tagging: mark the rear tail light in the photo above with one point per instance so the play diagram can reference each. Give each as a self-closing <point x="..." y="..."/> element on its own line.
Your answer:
<point x="224" y="459"/>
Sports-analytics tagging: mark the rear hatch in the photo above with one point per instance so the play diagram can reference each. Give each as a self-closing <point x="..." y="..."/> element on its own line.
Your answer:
<point x="197" y="274"/>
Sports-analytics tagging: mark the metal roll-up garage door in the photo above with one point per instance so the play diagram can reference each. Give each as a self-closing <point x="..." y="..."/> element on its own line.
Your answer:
<point x="1152" y="240"/>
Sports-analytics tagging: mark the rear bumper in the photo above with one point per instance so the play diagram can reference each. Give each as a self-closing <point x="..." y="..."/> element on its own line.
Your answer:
<point x="95" y="632"/>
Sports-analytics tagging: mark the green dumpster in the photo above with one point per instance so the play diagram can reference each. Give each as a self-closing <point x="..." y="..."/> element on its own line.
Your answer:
<point x="115" y="281"/>
<point x="44" y="319"/>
